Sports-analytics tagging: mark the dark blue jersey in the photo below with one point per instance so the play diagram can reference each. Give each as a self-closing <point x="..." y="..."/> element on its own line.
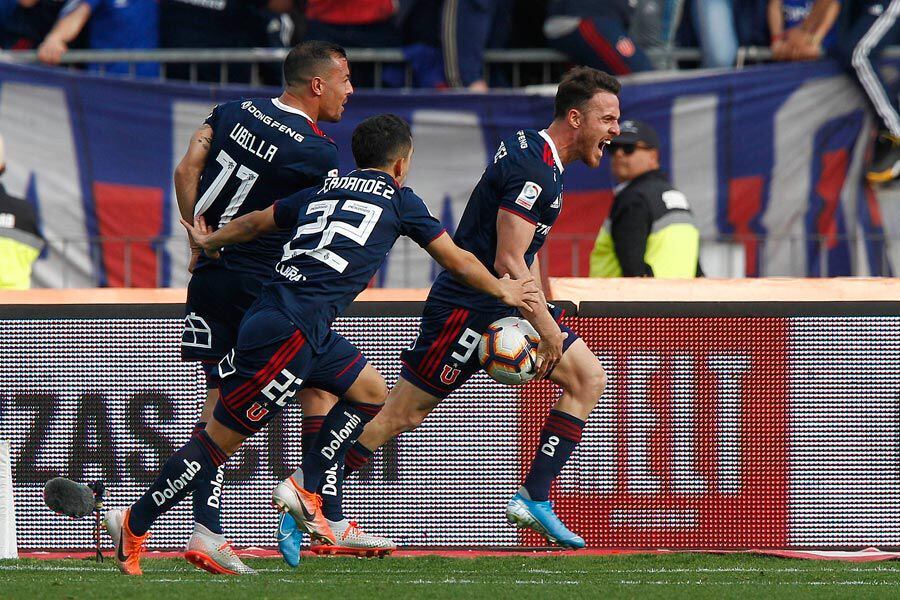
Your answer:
<point x="525" y="179"/>
<point x="343" y="231"/>
<point x="262" y="150"/>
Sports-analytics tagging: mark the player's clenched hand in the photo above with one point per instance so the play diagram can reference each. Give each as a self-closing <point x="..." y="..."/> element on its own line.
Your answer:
<point x="200" y="233"/>
<point x="519" y="293"/>
<point x="549" y="353"/>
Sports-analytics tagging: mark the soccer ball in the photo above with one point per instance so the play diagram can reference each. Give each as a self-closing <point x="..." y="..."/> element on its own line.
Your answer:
<point x="507" y="350"/>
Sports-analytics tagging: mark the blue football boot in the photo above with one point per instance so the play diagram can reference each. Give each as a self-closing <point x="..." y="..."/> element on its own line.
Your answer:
<point x="289" y="539"/>
<point x="539" y="516"/>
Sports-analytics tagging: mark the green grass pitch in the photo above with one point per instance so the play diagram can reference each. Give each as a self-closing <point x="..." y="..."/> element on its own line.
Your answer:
<point x="340" y="578"/>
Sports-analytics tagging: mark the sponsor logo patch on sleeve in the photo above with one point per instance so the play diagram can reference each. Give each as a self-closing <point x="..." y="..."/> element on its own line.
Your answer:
<point x="528" y="195"/>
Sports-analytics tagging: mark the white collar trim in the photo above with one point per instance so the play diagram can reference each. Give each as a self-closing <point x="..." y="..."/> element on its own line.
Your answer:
<point x="279" y="104"/>
<point x="559" y="165"/>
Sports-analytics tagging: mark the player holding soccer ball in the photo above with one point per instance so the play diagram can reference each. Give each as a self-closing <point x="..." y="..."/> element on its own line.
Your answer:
<point x="506" y="221"/>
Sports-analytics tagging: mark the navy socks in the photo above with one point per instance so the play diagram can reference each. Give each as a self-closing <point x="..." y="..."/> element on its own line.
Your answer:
<point x="207" y="497"/>
<point x="196" y="461"/>
<point x="560" y="435"/>
<point x="342" y="426"/>
<point x="331" y="487"/>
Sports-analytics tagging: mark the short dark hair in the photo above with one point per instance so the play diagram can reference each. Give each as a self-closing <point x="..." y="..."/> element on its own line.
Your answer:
<point x="579" y="85"/>
<point x="380" y="140"/>
<point x="309" y="59"/>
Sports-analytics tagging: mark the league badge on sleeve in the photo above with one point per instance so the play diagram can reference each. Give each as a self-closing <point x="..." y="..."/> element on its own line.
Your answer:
<point x="528" y="195"/>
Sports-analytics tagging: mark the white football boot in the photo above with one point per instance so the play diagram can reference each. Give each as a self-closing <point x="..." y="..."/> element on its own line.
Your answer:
<point x="212" y="552"/>
<point x="350" y="539"/>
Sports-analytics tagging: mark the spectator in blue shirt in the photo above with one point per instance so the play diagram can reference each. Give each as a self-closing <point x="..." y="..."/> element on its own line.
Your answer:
<point x="113" y="24"/>
<point x="784" y="15"/>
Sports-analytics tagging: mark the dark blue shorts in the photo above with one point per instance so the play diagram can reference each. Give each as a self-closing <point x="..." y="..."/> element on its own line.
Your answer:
<point x="445" y="353"/>
<point x="216" y="302"/>
<point x="271" y="362"/>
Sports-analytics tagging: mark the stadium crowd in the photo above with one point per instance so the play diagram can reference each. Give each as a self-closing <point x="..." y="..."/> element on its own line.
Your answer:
<point x="443" y="40"/>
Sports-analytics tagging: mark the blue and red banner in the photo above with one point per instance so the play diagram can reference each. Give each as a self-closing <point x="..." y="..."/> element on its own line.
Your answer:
<point x="770" y="158"/>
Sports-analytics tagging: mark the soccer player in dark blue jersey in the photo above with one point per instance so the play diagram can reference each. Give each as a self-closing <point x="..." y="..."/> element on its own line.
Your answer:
<point x="506" y="221"/>
<point x="342" y="231"/>
<point x="247" y="154"/>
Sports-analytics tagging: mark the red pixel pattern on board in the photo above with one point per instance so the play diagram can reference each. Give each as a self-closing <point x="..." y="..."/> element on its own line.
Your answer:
<point x="694" y="454"/>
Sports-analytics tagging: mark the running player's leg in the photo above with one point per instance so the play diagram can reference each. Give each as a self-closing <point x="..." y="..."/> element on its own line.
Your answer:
<point x="216" y="302"/>
<point x="441" y="359"/>
<point x="341" y="370"/>
<point x="350" y="538"/>
<point x="198" y="460"/>
<point x="582" y="379"/>
<point x="315" y="404"/>
<point x="342" y="425"/>
<point x="258" y="380"/>
<point x="406" y="407"/>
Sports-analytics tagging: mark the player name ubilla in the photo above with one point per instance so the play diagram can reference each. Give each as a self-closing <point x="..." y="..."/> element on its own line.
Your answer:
<point x="246" y="140"/>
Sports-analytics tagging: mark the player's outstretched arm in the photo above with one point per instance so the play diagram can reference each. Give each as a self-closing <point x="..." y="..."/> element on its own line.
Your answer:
<point x="243" y="229"/>
<point x="464" y="266"/>
<point x="514" y="235"/>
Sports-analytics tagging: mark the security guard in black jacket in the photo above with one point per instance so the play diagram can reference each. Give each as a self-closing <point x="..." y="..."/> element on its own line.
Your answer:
<point x="650" y="231"/>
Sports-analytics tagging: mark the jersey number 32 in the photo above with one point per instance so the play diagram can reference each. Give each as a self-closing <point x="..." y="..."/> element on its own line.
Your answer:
<point x="329" y="227"/>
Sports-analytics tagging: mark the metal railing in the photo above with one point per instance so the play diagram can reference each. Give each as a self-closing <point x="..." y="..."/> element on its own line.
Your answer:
<point x="548" y="63"/>
<point x="118" y="262"/>
<point x="513" y="61"/>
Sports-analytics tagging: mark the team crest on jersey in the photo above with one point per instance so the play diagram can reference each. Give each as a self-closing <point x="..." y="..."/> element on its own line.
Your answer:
<point x="449" y="375"/>
<point x="529" y="195"/>
<point x="625" y="47"/>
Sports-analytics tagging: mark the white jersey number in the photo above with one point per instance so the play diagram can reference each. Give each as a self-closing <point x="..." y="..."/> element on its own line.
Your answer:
<point x="329" y="228"/>
<point x="247" y="176"/>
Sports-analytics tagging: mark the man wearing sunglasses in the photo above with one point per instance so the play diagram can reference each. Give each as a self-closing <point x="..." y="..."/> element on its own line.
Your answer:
<point x="650" y="231"/>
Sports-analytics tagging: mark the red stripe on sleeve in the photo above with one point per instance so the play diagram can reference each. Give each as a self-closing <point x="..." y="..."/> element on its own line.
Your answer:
<point x="518" y="214"/>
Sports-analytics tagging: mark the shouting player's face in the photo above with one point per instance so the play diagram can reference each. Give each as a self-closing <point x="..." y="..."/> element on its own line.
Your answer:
<point x="598" y="125"/>
<point x="336" y="89"/>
